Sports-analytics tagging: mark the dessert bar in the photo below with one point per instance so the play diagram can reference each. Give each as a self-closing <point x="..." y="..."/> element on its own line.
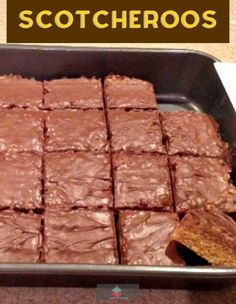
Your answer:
<point x="145" y="238"/>
<point x="135" y="131"/>
<point x="142" y="182"/>
<point x="79" y="236"/>
<point x="21" y="180"/>
<point x="78" y="179"/>
<point x="21" y="131"/>
<point x="79" y="93"/>
<point x="20" y="92"/>
<point x="192" y="133"/>
<point x="76" y="130"/>
<point x="210" y="234"/>
<point x="202" y="182"/>
<point x="125" y="92"/>
<point x="20" y="237"/>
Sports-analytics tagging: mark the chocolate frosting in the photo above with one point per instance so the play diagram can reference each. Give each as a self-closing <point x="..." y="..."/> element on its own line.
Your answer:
<point x="20" y="92"/>
<point x="73" y="93"/>
<point x="202" y="182"/>
<point x="142" y="182"/>
<point x="192" y="133"/>
<point x="80" y="236"/>
<point x="146" y="237"/>
<point x="78" y="179"/>
<point x="20" y="180"/>
<point x="205" y="230"/>
<point x="124" y="92"/>
<point x="76" y="130"/>
<point x="136" y="131"/>
<point x="21" y="131"/>
<point x="20" y="237"/>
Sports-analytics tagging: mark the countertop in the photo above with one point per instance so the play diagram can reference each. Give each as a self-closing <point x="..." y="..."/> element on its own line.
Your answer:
<point x="88" y="296"/>
<point x="15" y="295"/>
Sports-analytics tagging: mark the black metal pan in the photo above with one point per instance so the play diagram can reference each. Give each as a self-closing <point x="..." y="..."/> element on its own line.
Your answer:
<point x="184" y="80"/>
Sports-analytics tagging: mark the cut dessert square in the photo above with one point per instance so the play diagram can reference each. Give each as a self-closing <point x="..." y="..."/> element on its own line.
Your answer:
<point x="20" y="92"/>
<point x="135" y="131"/>
<point x="125" y="92"/>
<point x="146" y="238"/>
<point x="76" y="130"/>
<point x="142" y="182"/>
<point x="21" y="131"/>
<point x="20" y="237"/>
<point x="80" y="236"/>
<point x="192" y="133"/>
<point x="20" y="180"/>
<point x="78" y="179"/>
<point x="202" y="182"/>
<point x="79" y="93"/>
<point x="210" y="234"/>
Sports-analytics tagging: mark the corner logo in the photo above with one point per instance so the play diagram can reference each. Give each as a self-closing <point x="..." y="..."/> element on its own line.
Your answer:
<point x="116" y="292"/>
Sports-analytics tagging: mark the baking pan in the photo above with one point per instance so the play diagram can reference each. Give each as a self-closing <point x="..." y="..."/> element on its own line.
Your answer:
<point x="184" y="80"/>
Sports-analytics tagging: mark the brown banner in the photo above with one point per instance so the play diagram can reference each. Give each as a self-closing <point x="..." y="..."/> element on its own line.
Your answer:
<point x="117" y="21"/>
